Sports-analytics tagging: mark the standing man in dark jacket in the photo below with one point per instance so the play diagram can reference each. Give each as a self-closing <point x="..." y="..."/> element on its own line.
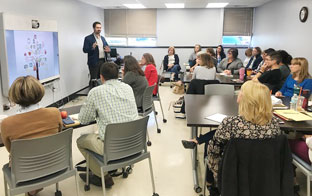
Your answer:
<point x="96" y="47"/>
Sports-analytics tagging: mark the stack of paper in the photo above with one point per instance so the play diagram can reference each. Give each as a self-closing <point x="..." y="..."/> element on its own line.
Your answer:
<point x="291" y="115"/>
<point x="280" y="107"/>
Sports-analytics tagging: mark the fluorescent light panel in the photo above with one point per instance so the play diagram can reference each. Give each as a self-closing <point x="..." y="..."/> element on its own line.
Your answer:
<point x="174" y="5"/>
<point x="216" y="5"/>
<point x="134" y="6"/>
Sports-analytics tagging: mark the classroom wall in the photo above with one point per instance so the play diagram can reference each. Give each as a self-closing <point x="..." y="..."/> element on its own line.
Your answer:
<point x="184" y="27"/>
<point x="277" y="25"/>
<point x="74" y="21"/>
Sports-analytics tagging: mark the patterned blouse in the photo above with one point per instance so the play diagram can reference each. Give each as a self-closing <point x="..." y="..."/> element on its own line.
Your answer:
<point x="237" y="127"/>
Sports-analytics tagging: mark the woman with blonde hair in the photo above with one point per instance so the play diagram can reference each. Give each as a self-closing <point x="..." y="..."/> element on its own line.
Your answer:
<point x="299" y="77"/>
<point x="172" y="63"/>
<point x="150" y="70"/>
<point x="31" y="121"/>
<point x="206" y="70"/>
<point x="255" y="121"/>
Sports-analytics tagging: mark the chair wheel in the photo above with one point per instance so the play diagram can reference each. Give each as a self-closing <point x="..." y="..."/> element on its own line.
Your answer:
<point x="58" y="193"/>
<point x="158" y="130"/>
<point x="156" y="112"/>
<point x="198" y="189"/>
<point x="125" y="175"/>
<point x="129" y="170"/>
<point x="87" y="187"/>
<point x="164" y="120"/>
<point x="149" y="143"/>
<point x="155" y="194"/>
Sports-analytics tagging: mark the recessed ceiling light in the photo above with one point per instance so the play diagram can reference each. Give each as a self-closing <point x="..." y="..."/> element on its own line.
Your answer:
<point x="134" y="6"/>
<point x="216" y="5"/>
<point x="174" y="5"/>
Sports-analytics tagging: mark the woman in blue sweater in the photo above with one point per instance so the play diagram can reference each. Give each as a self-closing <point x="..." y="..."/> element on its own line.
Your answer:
<point x="299" y="76"/>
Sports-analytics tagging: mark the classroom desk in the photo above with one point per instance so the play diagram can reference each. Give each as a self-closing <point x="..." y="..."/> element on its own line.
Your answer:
<point x="197" y="108"/>
<point x="200" y="106"/>
<point x="187" y="77"/>
<point x="75" y="110"/>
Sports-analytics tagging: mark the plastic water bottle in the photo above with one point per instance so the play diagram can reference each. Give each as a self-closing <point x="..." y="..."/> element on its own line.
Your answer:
<point x="293" y="102"/>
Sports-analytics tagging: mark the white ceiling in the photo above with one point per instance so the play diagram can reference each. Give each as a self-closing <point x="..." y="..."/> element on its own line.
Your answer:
<point x="118" y="4"/>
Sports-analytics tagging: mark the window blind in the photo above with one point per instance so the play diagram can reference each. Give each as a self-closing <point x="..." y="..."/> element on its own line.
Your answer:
<point x="130" y="23"/>
<point x="238" y="21"/>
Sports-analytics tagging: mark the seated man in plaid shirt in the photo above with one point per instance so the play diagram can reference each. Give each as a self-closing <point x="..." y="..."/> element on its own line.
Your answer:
<point x="111" y="102"/>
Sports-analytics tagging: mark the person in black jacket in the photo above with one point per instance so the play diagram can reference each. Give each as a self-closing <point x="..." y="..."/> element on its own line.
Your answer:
<point x="220" y="55"/>
<point x="256" y="59"/>
<point x="171" y="63"/>
<point x="95" y="46"/>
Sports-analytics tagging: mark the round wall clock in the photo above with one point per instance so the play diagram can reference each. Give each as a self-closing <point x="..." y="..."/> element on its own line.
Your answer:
<point x="303" y="14"/>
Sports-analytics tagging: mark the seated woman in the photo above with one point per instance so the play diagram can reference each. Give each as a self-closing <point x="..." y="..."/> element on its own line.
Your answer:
<point x="270" y="74"/>
<point x="255" y="60"/>
<point x="284" y="65"/>
<point x="171" y="63"/>
<point x="248" y="54"/>
<point x="220" y="55"/>
<point x="299" y="76"/>
<point x="302" y="147"/>
<point x="212" y="53"/>
<point x="255" y="121"/>
<point x="206" y="70"/>
<point x="150" y="70"/>
<point x="192" y="59"/>
<point x="31" y="121"/>
<point x="135" y="77"/>
<point x="231" y="64"/>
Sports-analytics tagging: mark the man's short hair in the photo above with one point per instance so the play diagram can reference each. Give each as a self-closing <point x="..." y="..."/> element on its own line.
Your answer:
<point x="109" y="71"/>
<point x="95" y="23"/>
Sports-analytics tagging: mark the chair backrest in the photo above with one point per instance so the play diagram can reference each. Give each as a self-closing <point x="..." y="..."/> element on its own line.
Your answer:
<point x="39" y="157"/>
<point x="124" y="140"/>
<point x="219" y="89"/>
<point x="148" y="98"/>
<point x="249" y="163"/>
<point x="197" y="86"/>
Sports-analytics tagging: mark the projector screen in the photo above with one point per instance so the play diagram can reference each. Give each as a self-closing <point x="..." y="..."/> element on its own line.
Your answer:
<point x="32" y="53"/>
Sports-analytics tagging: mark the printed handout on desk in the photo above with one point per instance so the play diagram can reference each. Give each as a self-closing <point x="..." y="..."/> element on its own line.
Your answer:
<point x="217" y="117"/>
<point x="74" y="116"/>
<point x="292" y="115"/>
<point x="224" y="74"/>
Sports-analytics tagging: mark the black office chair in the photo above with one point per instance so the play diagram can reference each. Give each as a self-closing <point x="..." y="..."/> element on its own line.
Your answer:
<point x="256" y="168"/>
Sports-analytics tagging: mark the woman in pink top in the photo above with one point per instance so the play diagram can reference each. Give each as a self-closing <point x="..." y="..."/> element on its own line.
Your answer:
<point x="150" y="70"/>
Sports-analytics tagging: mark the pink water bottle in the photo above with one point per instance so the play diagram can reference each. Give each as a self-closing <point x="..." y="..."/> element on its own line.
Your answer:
<point x="241" y="74"/>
